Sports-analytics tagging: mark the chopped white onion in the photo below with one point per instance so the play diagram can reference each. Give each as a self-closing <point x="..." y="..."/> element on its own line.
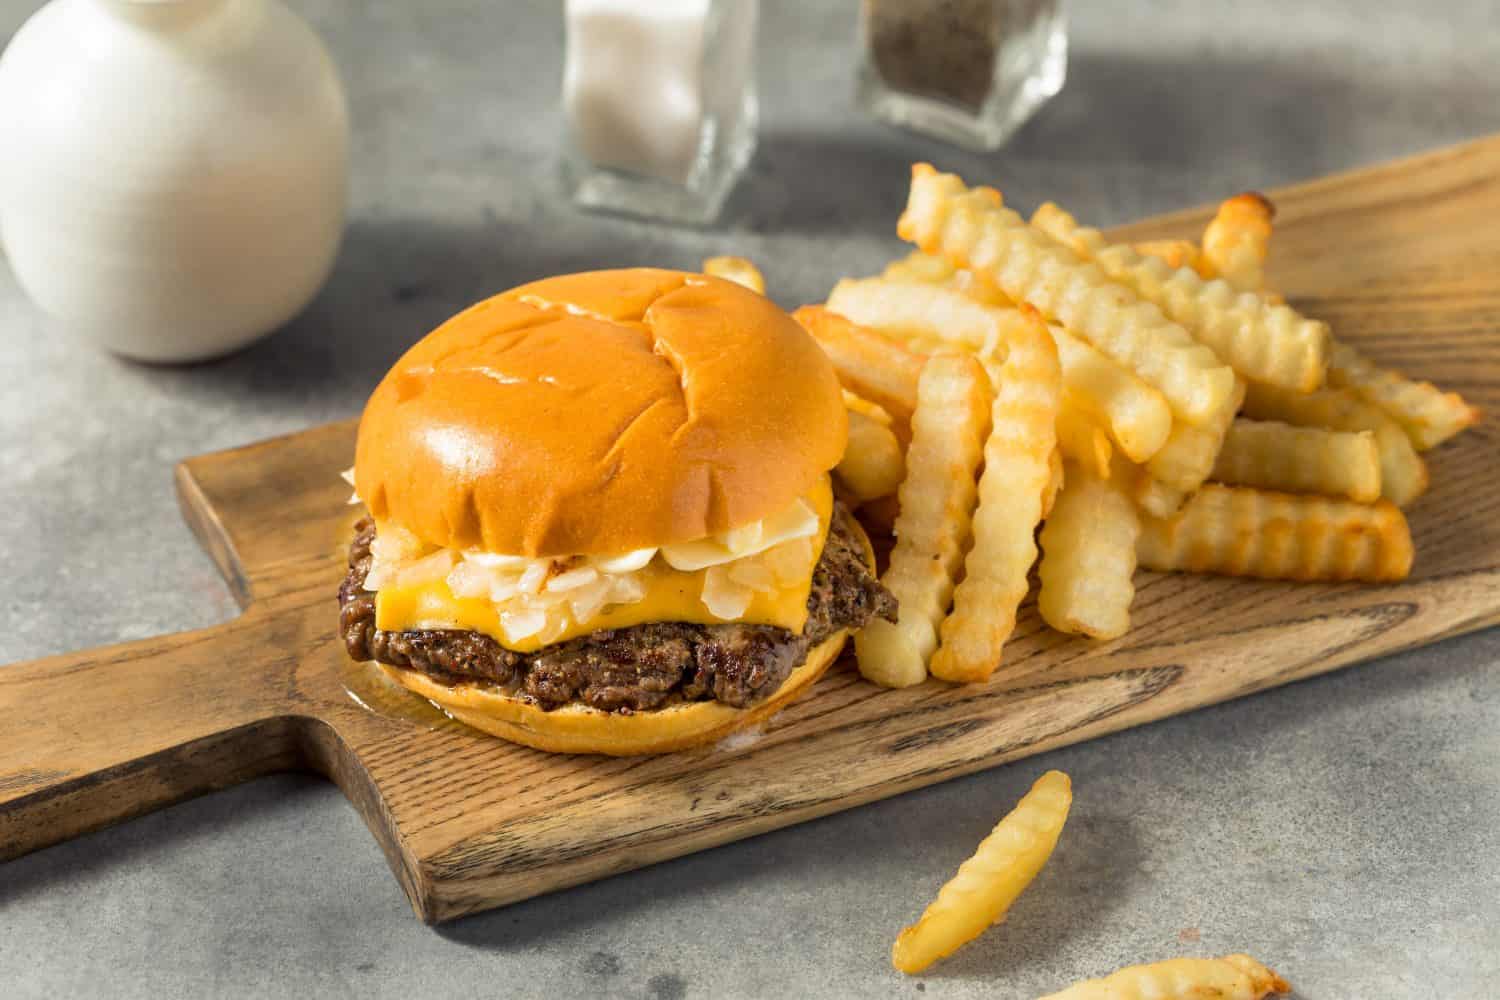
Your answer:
<point x="689" y="557"/>
<point x="470" y="579"/>
<point x="626" y="589"/>
<point x="796" y="520"/>
<point x="572" y="579"/>
<point x="522" y="624"/>
<point x="535" y="575"/>
<point x="585" y="601"/>
<point x="393" y="545"/>
<point x="626" y="562"/>
<point x="722" y="596"/>
<point x="495" y="560"/>
<point x="752" y="572"/>
<point x="789" y="562"/>
<point x="379" y="576"/>
<point x="745" y="537"/>
<point x="504" y="588"/>
<point x="348" y="476"/>
<point x="435" y="566"/>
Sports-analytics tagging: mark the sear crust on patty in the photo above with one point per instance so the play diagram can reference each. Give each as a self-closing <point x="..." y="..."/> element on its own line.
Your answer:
<point x="629" y="669"/>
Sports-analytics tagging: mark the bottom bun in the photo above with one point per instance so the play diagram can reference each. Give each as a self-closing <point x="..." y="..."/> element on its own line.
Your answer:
<point x="576" y="728"/>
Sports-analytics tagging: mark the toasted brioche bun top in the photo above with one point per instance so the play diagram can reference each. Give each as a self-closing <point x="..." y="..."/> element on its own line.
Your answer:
<point x="597" y="413"/>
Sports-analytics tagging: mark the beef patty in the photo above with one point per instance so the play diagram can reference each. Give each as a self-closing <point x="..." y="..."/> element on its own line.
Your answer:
<point x="629" y="669"/>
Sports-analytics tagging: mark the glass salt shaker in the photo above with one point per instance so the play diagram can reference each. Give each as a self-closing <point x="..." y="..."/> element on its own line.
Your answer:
<point x="970" y="72"/>
<point x="659" y="101"/>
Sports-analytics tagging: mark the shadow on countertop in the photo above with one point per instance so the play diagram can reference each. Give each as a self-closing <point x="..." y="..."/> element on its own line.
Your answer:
<point x="1260" y="121"/>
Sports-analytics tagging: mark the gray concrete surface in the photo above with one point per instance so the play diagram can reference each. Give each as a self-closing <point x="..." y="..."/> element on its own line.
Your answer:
<point x="1344" y="829"/>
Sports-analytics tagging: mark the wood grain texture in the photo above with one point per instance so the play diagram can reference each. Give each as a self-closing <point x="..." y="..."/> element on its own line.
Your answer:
<point x="1403" y="259"/>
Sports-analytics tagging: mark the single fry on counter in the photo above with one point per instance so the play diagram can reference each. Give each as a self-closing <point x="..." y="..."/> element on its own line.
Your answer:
<point x="1233" y="977"/>
<point x="986" y="885"/>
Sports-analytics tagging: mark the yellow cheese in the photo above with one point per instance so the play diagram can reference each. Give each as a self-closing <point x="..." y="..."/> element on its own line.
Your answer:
<point x="670" y="596"/>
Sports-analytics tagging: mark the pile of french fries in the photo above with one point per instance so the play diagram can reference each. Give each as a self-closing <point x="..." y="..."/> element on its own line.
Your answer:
<point x="1151" y="405"/>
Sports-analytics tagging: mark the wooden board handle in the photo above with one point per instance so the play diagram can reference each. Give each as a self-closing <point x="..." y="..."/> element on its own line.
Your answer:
<point x="91" y="738"/>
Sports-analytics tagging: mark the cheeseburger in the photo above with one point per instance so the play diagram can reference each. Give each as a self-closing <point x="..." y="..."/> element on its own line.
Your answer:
<point x="600" y="518"/>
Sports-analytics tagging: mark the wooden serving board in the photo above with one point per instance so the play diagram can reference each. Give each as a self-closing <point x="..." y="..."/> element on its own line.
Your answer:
<point x="1404" y="259"/>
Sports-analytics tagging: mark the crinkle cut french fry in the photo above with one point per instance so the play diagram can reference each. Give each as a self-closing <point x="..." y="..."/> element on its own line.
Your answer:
<point x="920" y="268"/>
<point x="1135" y="414"/>
<point x="1079" y="438"/>
<point x="1175" y="253"/>
<point x="1153" y="496"/>
<point x="930" y="269"/>
<point x="738" y="270"/>
<point x="1054" y="485"/>
<point x="1186" y="460"/>
<point x="873" y="366"/>
<point x="1277" y="456"/>
<point x="1239" y="531"/>
<point x="1233" y="977"/>
<point x="980" y="289"/>
<point x="1017" y="468"/>
<point x="854" y="401"/>
<point x="986" y="885"/>
<point x="1088" y="557"/>
<point x="1273" y="344"/>
<point x="923" y="312"/>
<point x="1237" y="239"/>
<point x="872" y="465"/>
<point x="1403" y="474"/>
<point x="936" y="504"/>
<point x="1427" y="414"/>
<point x="972" y="229"/>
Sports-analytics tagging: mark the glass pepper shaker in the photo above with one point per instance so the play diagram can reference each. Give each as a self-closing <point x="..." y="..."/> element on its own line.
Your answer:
<point x="970" y="72"/>
<point x="659" y="101"/>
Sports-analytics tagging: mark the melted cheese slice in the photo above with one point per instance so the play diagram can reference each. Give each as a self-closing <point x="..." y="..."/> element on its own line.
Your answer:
<point x="671" y="595"/>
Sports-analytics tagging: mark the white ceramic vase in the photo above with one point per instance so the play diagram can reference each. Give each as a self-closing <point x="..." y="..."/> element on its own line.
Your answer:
<point x="173" y="179"/>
